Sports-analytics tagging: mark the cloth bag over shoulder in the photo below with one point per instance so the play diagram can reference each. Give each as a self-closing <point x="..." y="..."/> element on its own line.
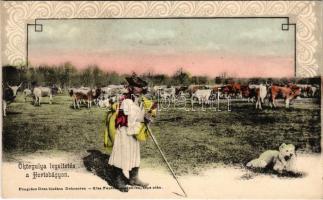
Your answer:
<point x="110" y="129"/>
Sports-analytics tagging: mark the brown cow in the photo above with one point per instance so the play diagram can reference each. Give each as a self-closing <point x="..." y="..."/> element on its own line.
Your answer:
<point x="236" y="87"/>
<point x="180" y="90"/>
<point x="232" y="89"/>
<point x="249" y="93"/>
<point x="84" y="94"/>
<point x="289" y="93"/>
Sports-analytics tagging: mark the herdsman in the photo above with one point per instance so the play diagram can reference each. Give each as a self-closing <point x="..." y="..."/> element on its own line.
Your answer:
<point x="125" y="128"/>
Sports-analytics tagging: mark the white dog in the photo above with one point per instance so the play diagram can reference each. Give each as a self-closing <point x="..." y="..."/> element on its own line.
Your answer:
<point x="282" y="160"/>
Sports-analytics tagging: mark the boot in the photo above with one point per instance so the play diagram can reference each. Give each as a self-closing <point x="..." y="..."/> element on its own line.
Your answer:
<point x="119" y="182"/>
<point x="134" y="178"/>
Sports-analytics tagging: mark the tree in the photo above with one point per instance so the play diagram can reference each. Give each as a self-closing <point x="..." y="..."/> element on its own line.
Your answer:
<point x="68" y="72"/>
<point x="181" y="78"/>
<point x="199" y="80"/>
<point x="98" y="76"/>
<point x="86" y="77"/>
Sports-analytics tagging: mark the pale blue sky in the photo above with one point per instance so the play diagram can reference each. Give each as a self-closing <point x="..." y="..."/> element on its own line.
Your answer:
<point x="162" y="36"/>
<point x="258" y="46"/>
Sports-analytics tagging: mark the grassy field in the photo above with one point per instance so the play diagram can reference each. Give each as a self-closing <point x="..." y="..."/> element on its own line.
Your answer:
<point x="189" y="139"/>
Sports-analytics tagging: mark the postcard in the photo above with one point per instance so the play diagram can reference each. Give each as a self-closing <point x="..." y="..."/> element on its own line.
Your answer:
<point x="161" y="99"/>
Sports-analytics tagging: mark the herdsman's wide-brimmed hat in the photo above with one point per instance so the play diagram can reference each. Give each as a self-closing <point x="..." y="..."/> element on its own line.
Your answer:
<point x="135" y="81"/>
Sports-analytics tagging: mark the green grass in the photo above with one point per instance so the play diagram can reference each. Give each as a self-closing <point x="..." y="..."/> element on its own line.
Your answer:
<point x="190" y="140"/>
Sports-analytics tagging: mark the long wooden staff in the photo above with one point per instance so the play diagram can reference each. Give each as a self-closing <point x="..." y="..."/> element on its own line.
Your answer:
<point x="161" y="152"/>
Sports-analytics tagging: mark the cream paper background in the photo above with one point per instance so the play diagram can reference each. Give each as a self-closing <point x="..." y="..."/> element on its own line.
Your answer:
<point x="307" y="15"/>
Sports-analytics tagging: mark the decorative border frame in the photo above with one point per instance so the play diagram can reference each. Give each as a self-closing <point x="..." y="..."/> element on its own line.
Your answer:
<point x="299" y="13"/>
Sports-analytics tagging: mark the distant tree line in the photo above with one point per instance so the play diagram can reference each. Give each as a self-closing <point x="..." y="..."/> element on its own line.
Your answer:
<point x="67" y="75"/>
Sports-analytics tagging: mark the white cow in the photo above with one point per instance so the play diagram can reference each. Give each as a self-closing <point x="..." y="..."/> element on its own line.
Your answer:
<point x="106" y="90"/>
<point x="59" y="90"/>
<point x="168" y="93"/>
<point x="157" y="89"/>
<point x="203" y="96"/>
<point x="314" y="90"/>
<point x="105" y="99"/>
<point x="112" y="90"/>
<point x="40" y="92"/>
<point x="252" y="86"/>
<point x="261" y="91"/>
<point x="104" y="103"/>
<point x="27" y="93"/>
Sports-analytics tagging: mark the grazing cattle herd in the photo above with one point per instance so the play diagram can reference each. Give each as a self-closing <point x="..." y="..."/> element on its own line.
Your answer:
<point x="202" y="94"/>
